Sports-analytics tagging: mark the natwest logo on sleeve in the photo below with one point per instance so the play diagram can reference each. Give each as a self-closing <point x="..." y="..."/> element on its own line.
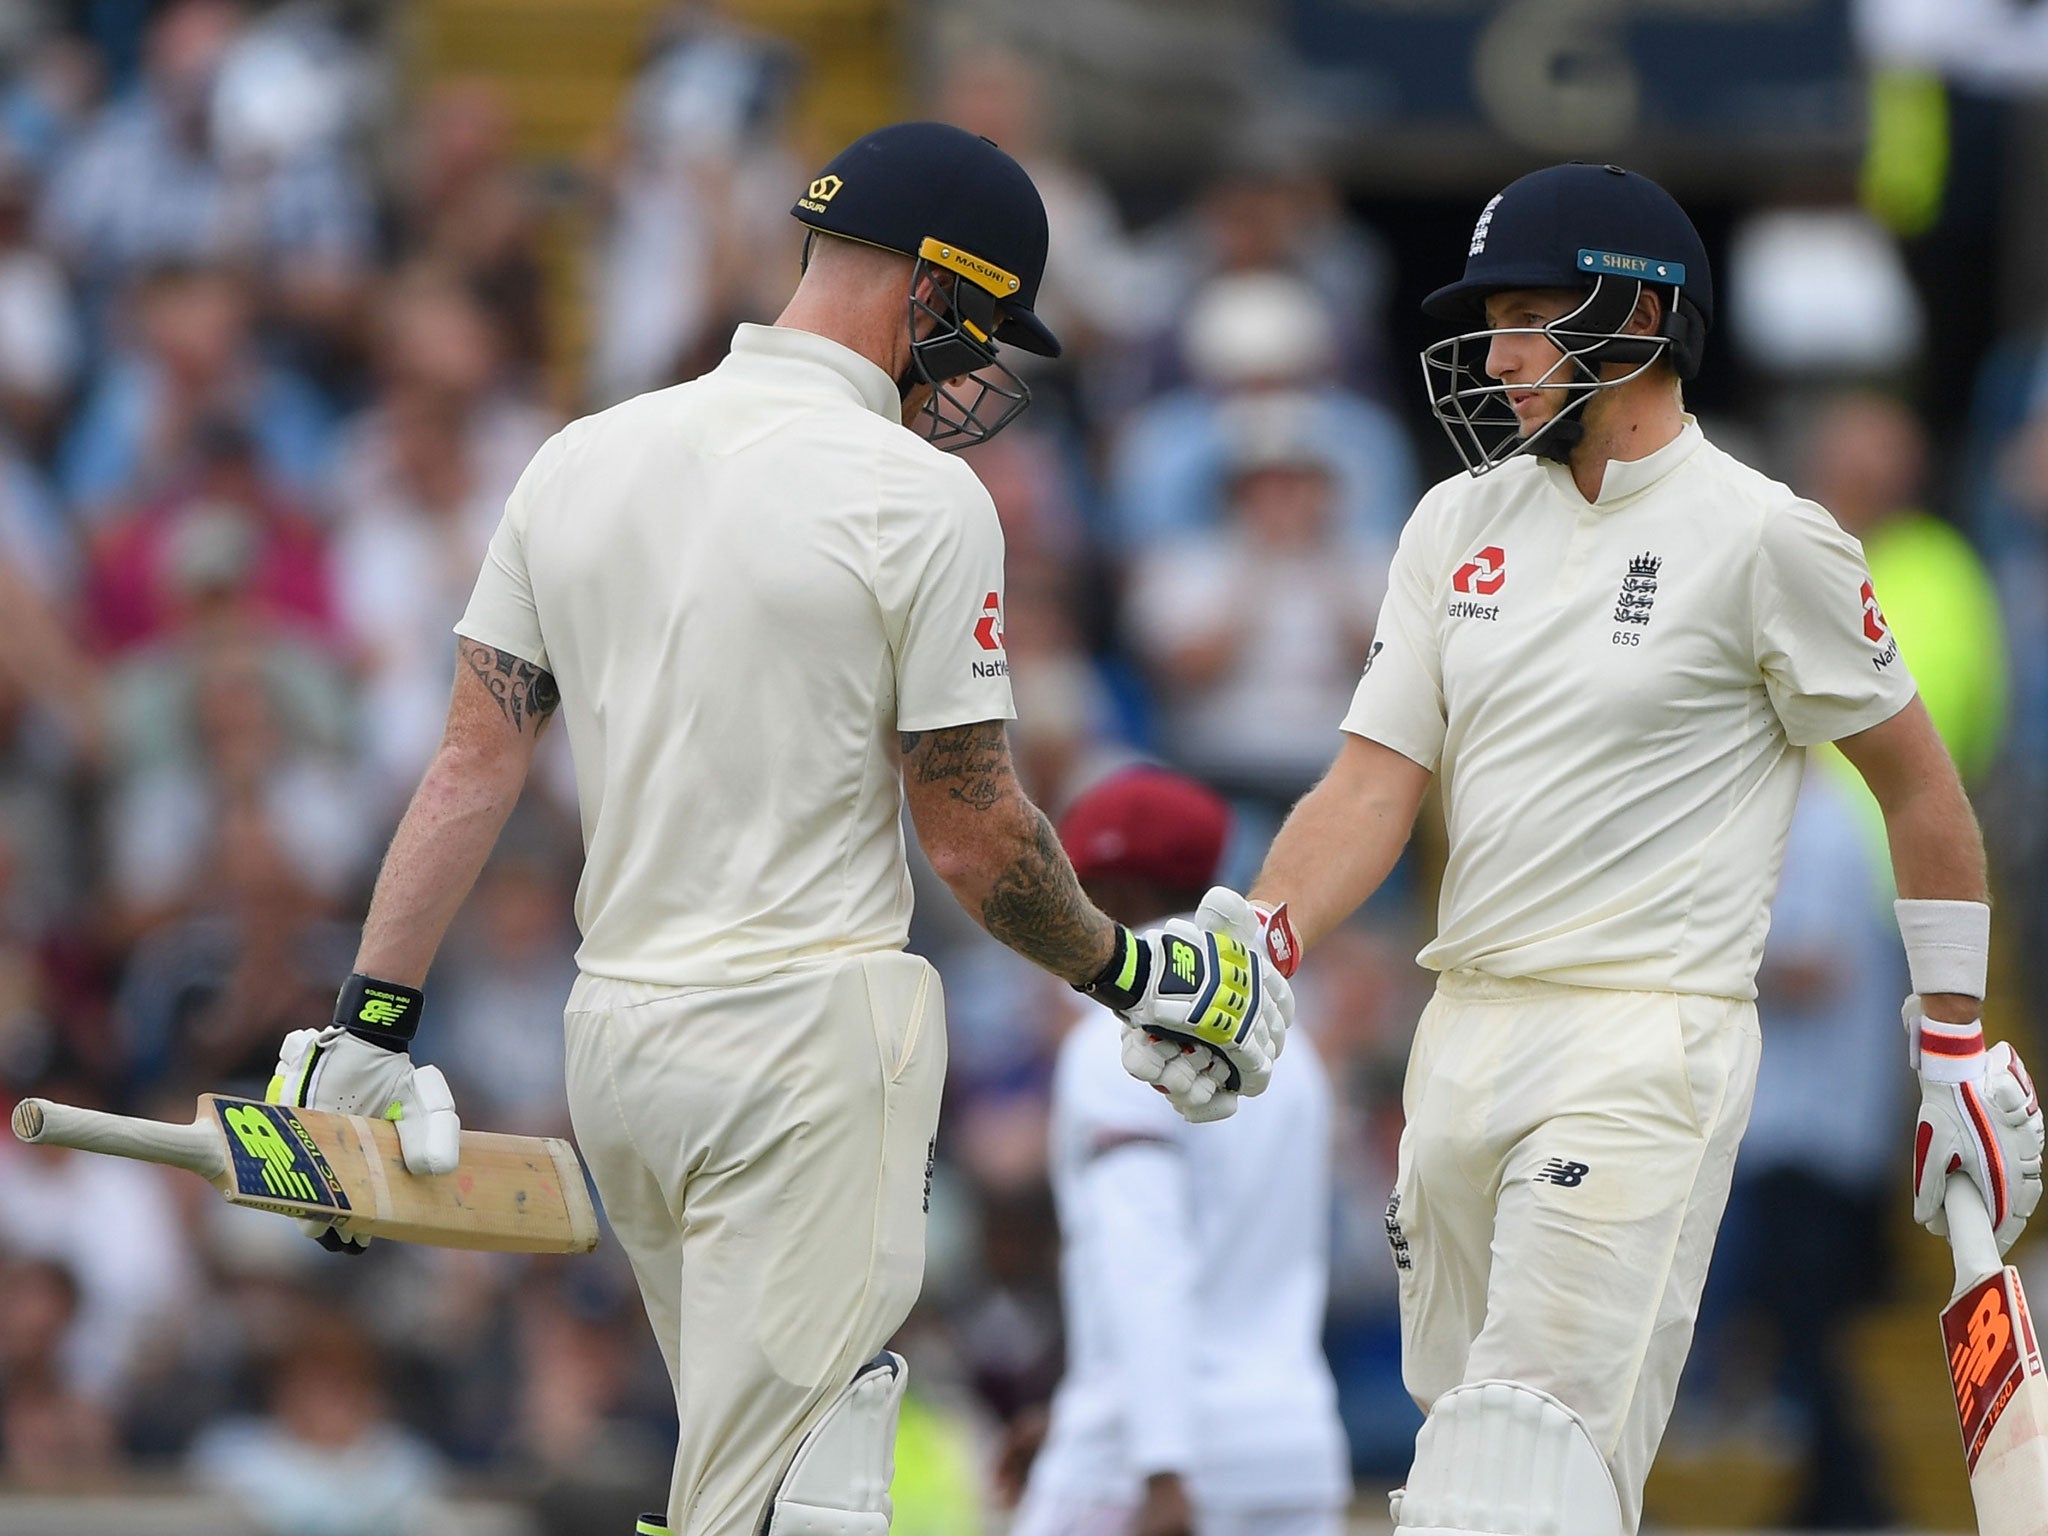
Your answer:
<point x="1485" y="573"/>
<point x="988" y="634"/>
<point x="1877" y="631"/>
<point x="988" y="629"/>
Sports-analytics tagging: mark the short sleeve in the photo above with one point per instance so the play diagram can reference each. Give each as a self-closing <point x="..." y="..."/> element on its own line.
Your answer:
<point x="1826" y="653"/>
<point x="939" y="581"/>
<point x="1399" y="701"/>
<point x="501" y="611"/>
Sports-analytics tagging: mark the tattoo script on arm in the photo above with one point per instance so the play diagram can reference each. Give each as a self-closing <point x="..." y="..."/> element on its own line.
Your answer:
<point x="526" y="695"/>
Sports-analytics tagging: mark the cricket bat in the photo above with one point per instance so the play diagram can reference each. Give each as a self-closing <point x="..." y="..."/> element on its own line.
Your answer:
<point x="1994" y="1359"/>
<point x="520" y="1194"/>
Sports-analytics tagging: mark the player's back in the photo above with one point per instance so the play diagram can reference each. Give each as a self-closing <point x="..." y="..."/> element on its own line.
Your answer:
<point x="731" y="578"/>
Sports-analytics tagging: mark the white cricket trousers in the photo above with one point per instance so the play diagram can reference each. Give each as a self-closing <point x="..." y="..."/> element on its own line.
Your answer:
<point x="763" y="1155"/>
<point x="1563" y="1171"/>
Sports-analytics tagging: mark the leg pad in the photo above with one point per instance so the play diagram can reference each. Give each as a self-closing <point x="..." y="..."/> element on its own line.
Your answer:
<point x="838" y="1484"/>
<point x="1497" y="1458"/>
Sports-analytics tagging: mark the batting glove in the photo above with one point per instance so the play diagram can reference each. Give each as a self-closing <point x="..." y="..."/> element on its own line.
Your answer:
<point x="1199" y="987"/>
<point x="1979" y="1116"/>
<point x="361" y="1065"/>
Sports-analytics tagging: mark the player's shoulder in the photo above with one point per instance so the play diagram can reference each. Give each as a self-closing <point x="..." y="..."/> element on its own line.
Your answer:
<point x="1753" y="501"/>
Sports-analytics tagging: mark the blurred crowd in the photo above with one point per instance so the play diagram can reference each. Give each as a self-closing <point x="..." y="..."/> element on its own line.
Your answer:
<point x="274" y="346"/>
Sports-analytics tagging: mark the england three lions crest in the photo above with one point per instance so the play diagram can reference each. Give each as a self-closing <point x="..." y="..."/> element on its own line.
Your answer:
<point x="1638" y="590"/>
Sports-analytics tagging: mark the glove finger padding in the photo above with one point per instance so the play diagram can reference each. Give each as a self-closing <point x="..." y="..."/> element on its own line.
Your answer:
<point x="1190" y="1075"/>
<point x="429" y="1131"/>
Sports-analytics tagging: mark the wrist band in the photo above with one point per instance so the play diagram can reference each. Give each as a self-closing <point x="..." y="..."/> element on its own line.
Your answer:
<point x="380" y="1011"/>
<point x="1944" y="1053"/>
<point x="1121" y="981"/>
<point x="1948" y="945"/>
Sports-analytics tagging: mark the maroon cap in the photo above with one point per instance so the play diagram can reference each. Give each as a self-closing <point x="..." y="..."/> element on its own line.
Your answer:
<point x="1148" y="824"/>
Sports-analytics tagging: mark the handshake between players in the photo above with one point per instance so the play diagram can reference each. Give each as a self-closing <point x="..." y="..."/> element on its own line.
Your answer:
<point x="1205" y="1002"/>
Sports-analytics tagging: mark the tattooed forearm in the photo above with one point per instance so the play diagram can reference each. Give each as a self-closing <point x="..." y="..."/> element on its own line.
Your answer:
<point x="1037" y="908"/>
<point x="526" y="695"/>
<point x="970" y="762"/>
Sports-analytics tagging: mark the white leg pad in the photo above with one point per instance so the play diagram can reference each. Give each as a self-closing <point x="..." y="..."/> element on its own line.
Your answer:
<point x="1496" y="1458"/>
<point x="838" y="1483"/>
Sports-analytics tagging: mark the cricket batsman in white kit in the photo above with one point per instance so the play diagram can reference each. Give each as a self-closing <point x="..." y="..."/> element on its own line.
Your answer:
<point x="1611" y="644"/>
<point x="769" y="614"/>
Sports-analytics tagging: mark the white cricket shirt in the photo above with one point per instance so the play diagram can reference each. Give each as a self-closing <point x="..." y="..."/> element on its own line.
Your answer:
<point x="1194" y="1267"/>
<point x="1615" y="697"/>
<point x="745" y="586"/>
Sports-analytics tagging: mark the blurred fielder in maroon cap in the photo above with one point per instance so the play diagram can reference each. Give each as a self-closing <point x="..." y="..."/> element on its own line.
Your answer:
<point x="1196" y="1255"/>
<point x="1146" y="843"/>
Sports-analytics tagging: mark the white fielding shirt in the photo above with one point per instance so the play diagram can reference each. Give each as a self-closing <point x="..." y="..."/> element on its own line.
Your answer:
<point x="1194" y="1269"/>
<point x="745" y="587"/>
<point x="1615" y="698"/>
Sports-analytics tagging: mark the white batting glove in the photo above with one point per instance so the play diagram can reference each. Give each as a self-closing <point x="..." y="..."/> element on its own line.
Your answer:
<point x="1192" y="1077"/>
<point x="1979" y="1116"/>
<point x="336" y="1070"/>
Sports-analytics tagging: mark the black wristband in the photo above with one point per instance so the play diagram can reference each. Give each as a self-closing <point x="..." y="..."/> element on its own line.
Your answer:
<point x="1122" y="980"/>
<point x="379" y="1011"/>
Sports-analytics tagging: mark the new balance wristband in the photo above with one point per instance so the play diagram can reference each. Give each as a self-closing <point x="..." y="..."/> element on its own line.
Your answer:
<point x="1122" y="980"/>
<point x="382" y="1012"/>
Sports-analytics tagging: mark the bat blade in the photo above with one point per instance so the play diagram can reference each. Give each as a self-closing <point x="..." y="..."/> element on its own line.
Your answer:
<point x="2001" y="1389"/>
<point x="509" y="1193"/>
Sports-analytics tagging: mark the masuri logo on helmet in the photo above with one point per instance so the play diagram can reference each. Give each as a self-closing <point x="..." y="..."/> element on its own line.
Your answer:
<point x="969" y="217"/>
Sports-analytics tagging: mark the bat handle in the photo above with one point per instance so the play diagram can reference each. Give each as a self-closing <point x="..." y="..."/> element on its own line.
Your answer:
<point x="193" y="1147"/>
<point x="1970" y="1237"/>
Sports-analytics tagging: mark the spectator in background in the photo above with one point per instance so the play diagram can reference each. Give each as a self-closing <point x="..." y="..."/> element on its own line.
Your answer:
<point x="326" y="1459"/>
<point x="52" y="1437"/>
<point x="229" y="865"/>
<point x="420" y="482"/>
<point x="1866" y="460"/>
<point x="146" y="183"/>
<point x="1274" y="211"/>
<point x="698" y="204"/>
<point x="1268" y="617"/>
<point x="1256" y="335"/>
<point x="467" y="208"/>
<point x="1802" y="1254"/>
<point x="1095" y="295"/>
<point x="39" y="340"/>
<point x="219" y="550"/>
<point x="192" y="366"/>
<point x="60" y="1207"/>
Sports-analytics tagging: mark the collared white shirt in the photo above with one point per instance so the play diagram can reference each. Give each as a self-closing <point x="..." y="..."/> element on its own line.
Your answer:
<point x="745" y="587"/>
<point x="1614" y="696"/>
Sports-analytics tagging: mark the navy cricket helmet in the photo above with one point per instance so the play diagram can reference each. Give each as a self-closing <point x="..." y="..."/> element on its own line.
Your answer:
<point x="970" y="218"/>
<point x="1599" y="229"/>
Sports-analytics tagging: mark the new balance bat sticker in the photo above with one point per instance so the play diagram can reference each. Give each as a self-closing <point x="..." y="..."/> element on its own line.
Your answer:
<point x="1994" y="1361"/>
<point x="510" y="1193"/>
